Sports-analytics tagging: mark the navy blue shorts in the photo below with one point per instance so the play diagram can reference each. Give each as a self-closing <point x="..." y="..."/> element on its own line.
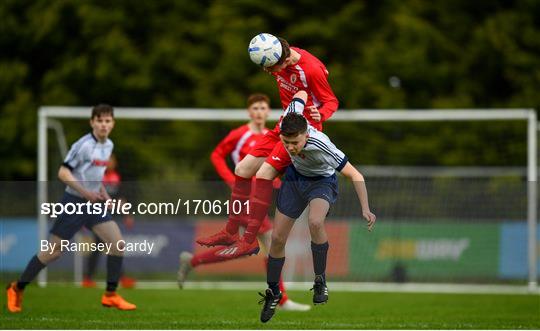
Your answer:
<point x="66" y="225"/>
<point x="297" y="191"/>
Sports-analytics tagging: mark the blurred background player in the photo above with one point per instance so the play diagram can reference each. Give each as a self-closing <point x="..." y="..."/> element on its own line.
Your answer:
<point x="296" y="70"/>
<point x="309" y="180"/>
<point x="236" y="145"/>
<point x="112" y="181"/>
<point x="82" y="172"/>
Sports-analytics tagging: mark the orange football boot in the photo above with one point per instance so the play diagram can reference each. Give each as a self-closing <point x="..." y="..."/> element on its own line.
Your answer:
<point x="113" y="299"/>
<point x="14" y="298"/>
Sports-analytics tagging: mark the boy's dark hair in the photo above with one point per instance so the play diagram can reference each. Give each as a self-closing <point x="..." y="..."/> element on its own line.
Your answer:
<point x="102" y="109"/>
<point x="285" y="50"/>
<point x="256" y="97"/>
<point x="292" y="125"/>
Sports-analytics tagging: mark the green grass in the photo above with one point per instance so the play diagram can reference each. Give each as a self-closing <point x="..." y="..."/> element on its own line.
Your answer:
<point x="74" y="308"/>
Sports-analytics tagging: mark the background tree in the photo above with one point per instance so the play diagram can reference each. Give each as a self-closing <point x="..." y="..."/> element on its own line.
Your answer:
<point x="392" y="54"/>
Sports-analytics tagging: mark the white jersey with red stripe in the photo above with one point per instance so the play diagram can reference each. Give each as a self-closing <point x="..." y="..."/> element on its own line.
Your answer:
<point x="88" y="159"/>
<point x="246" y="140"/>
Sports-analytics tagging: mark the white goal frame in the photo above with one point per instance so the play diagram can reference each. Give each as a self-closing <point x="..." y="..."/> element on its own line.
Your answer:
<point x="46" y="114"/>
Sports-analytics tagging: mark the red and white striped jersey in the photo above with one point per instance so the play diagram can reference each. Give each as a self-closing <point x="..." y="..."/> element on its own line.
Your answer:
<point x="236" y="144"/>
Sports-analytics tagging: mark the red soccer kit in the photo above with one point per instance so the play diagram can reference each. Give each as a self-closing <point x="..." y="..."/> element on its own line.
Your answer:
<point x="309" y="75"/>
<point x="237" y="144"/>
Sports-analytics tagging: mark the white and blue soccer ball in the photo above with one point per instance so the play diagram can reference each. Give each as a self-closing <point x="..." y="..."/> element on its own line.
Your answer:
<point x="264" y="49"/>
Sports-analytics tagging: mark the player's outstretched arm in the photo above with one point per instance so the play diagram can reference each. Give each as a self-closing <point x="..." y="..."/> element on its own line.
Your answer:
<point x="65" y="175"/>
<point x="361" y="191"/>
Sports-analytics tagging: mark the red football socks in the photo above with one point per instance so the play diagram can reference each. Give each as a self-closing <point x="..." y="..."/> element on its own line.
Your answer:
<point x="240" y="194"/>
<point x="258" y="206"/>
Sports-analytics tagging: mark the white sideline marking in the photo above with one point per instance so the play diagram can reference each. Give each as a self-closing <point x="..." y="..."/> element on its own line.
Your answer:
<point x="349" y="287"/>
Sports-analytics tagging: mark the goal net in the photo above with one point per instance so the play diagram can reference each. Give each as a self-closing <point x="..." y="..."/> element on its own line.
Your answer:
<point x="470" y="220"/>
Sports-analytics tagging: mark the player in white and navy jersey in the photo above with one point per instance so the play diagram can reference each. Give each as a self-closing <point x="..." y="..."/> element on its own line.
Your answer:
<point x="82" y="172"/>
<point x="309" y="181"/>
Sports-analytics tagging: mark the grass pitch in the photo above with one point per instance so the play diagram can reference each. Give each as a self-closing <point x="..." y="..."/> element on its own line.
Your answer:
<point x="75" y="308"/>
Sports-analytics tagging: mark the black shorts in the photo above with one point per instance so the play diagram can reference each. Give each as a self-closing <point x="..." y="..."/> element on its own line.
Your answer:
<point x="66" y="225"/>
<point x="297" y="191"/>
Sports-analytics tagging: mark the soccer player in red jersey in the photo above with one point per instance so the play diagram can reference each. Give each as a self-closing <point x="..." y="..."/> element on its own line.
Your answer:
<point x="237" y="144"/>
<point x="296" y="70"/>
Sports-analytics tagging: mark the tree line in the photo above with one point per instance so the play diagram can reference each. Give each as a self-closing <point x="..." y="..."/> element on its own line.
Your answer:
<point x="180" y="53"/>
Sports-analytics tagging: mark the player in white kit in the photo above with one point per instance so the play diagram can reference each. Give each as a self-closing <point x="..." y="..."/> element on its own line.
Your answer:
<point x="309" y="181"/>
<point x="82" y="172"/>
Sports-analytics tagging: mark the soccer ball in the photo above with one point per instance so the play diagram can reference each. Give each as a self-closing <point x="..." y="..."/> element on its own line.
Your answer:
<point x="264" y="50"/>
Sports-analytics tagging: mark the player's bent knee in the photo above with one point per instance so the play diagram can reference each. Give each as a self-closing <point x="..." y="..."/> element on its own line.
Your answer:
<point x="242" y="172"/>
<point x="278" y="241"/>
<point x="266" y="171"/>
<point x="118" y="247"/>
<point x="316" y="224"/>
<point x="244" y="169"/>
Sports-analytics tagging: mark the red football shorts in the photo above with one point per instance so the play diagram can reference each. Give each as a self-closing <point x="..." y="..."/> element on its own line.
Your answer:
<point x="270" y="146"/>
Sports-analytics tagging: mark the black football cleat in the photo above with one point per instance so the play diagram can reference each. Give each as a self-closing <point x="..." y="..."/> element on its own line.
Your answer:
<point x="320" y="291"/>
<point x="270" y="303"/>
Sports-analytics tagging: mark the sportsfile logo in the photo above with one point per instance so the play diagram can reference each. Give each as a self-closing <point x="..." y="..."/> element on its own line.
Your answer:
<point x="118" y="207"/>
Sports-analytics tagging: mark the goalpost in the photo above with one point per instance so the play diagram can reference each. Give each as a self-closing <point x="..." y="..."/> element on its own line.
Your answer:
<point x="50" y="113"/>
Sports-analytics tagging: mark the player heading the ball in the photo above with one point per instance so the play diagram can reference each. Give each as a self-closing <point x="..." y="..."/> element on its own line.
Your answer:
<point x="296" y="70"/>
